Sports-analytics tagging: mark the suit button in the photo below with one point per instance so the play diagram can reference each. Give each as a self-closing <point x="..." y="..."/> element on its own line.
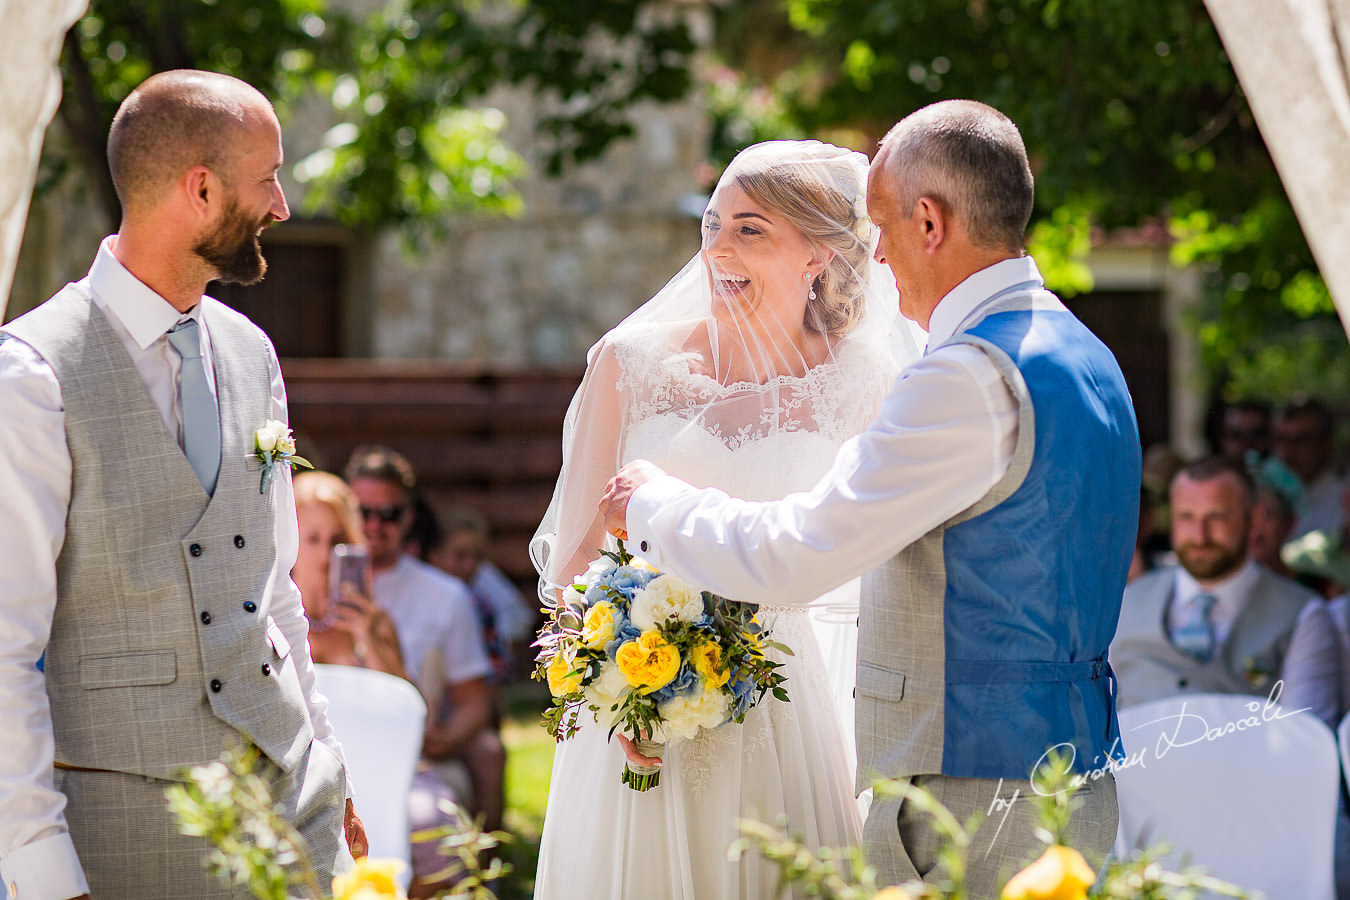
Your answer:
<point x="216" y="685"/>
<point x="250" y="606"/>
<point x="239" y="541"/>
<point x="206" y="618"/>
<point x="266" y="669"/>
<point x="644" y="546"/>
<point x="1182" y="682"/>
<point x="195" y="549"/>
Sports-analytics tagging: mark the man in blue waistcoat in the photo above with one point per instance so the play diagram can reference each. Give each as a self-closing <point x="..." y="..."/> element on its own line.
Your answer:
<point x="993" y="505"/>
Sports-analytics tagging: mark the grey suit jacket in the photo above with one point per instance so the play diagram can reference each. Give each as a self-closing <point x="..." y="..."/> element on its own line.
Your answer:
<point x="1148" y="665"/>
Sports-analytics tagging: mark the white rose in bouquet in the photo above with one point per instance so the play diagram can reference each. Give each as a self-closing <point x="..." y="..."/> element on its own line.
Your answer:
<point x="604" y="692"/>
<point x="665" y="599"/>
<point x="683" y="716"/>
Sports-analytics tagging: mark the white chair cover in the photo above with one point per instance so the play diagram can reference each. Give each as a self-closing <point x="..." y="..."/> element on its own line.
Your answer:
<point x="379" y="720"/>
<point x="1232" y="787"/>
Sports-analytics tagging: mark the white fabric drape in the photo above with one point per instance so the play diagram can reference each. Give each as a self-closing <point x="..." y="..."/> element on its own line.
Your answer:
<point x="30" y="45"/>
<point x="1293" y="60"/>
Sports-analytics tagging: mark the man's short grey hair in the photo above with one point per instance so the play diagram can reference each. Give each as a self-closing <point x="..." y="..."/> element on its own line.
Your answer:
<point x="970" y="158"/>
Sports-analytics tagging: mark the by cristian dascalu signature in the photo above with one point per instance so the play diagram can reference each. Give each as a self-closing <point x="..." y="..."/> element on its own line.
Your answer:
<point x="1181" y="729"/>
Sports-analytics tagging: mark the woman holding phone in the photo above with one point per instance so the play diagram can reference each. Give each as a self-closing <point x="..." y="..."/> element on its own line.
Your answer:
<point x="333" y="574"/>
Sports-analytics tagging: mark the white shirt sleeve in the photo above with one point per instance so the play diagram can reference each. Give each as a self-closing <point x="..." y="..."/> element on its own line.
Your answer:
<point x="1312" y="666"/>
<point x="465" y="653"/>
<point x="37" y="856"/>
<point x="945" y="435"/>
<point x="286" y="608"/>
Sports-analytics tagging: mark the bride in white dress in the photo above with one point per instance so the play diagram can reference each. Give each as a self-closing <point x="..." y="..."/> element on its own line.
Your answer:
<point x="745" y="372"/>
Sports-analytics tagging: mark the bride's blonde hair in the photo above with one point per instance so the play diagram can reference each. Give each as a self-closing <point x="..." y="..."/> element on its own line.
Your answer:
<point x="822" y="196"/>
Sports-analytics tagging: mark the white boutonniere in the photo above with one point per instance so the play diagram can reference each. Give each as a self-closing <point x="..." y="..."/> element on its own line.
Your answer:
<point x="274" y="445"/>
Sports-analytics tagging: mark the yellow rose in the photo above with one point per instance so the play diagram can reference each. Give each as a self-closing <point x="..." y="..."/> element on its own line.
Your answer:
<point x="372" y="879"/>
<point x="649" y="663"/>
<point x="707" y="659"/>
<point x="561" y="677"/>
<point x="1060" y="874"/>
<point x="598" y="627"/>
<point x="893" y="893"/>
<point x="638" y="562"/>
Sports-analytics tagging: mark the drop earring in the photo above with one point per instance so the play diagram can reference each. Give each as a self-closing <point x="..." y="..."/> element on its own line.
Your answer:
<point x="811" y="294"/>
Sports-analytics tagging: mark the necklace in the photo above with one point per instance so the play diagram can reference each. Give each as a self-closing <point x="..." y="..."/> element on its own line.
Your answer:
<point x="324" y="622"/>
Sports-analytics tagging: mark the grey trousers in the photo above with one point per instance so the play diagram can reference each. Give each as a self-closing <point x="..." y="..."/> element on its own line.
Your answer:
<point x="900" y="842"/>
<point x="130" y="847"/>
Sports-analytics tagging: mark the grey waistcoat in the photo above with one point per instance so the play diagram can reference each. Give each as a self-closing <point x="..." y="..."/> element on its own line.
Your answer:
<point x="1148" y="665"/>
<point x="162" y="651"/>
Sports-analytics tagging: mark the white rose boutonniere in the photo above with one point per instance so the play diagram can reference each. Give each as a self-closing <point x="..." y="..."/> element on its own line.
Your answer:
<point x="274" y="445"/>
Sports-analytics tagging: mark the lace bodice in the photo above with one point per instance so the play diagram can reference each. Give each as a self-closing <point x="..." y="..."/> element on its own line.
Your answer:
<point x="757" y="442"/>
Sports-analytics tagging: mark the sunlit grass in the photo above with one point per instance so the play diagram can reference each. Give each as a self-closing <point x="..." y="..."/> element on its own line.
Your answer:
<point x="529" y="762"/>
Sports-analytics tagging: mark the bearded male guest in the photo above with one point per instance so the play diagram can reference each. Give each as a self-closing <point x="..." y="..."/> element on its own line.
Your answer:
<point x="1219" y="622"/>
<point x="138" y="551"/>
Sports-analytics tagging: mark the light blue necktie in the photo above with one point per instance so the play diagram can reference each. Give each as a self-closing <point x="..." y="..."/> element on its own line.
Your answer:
<point x="201" y="416"/>
<point x="1194" y="635"/>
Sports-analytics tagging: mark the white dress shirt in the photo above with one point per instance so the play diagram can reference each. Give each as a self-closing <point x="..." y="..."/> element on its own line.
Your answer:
<point x="436" y="622"/>
<point x="35" y="470"/>
<point x="1311" y="671"/>
<point x="944" y="436"/>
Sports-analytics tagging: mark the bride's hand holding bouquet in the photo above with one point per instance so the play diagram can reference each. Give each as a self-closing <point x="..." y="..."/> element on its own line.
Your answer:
<point x="651" y="658"/>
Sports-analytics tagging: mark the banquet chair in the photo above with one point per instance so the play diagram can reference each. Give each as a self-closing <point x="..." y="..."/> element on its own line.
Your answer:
<point x="1235" y="784"/>
<point x="378" y="718"/>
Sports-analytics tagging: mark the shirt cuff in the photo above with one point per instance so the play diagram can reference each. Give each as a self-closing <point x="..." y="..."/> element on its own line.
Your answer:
<point x="643" y="507"/>
<point x="46" y="869"/>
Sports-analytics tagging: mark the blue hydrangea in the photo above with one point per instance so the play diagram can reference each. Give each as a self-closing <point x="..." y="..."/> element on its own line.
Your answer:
<point x="686" y="682"/>
<point x="625" y="579"/>
<point x="626" y="632"/>
<point x="743" y="688"/>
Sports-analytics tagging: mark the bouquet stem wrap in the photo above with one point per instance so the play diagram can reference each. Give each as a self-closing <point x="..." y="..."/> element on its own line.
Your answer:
<point x="643" y="778"/>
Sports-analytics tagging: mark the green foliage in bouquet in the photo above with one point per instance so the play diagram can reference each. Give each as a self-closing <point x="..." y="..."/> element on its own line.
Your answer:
<point x="649" y="655"/>
<point x="1060" y="873"/>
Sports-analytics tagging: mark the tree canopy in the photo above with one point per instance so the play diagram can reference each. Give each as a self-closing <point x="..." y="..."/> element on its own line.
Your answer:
<point x="405" y="83"/>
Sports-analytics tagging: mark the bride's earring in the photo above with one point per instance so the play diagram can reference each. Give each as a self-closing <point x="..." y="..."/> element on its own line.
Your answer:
<point x="811" y="294"/>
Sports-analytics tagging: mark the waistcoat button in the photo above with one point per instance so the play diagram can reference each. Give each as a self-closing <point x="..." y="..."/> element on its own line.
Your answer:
<point x="250" y="606"/>
<point x="216" y="685"/>
<point x="195" y="549"/>
<point x="239" y="541"/>
<point x="266" y="669"/>
<point x="206" y="618"/>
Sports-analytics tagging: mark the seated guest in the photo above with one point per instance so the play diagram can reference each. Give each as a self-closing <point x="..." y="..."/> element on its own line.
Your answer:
<point x="1244" y="436"/>
<point x="1303" y="442"/>
<point x="1219" y="622"/>
<point x="352" y="631"/>
<point x="462" y="551"/>
<point x="441" y="639"/>
<point x="1272" y="524"/>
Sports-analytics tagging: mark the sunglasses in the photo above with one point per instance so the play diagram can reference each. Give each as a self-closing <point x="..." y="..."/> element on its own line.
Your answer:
<point x="387" y="515"/>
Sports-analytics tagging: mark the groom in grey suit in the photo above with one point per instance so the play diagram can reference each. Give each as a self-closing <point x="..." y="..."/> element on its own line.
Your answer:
<point x="142" y="562"/>
<point x="993" y="504"/>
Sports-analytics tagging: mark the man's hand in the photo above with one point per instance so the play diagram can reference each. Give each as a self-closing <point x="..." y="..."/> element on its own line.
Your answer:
<point x="355" y="832"/>
<point x="614" y="502"/>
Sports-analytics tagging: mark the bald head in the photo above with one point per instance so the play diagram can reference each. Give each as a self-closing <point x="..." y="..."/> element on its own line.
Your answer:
<point x="176" y="120"/>
<point x="970" y="158"/>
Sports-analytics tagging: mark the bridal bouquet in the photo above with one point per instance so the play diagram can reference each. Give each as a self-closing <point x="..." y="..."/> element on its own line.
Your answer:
<point x="651" y="657"/>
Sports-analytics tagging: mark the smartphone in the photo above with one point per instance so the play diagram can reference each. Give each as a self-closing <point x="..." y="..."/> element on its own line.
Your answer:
<point x="347" y="564"/>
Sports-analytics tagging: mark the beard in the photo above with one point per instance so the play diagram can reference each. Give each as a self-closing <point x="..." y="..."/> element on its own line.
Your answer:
<point x="1208" y="562"/>
<point x="233" y="249"/>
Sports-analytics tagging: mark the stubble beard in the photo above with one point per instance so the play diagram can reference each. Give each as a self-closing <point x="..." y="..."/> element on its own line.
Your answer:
<point x="233" y="249"/>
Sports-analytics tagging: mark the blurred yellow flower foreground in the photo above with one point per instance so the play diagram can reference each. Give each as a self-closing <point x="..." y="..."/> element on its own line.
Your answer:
<point x="1061" y="873"/>
<point x="372" y="879"/>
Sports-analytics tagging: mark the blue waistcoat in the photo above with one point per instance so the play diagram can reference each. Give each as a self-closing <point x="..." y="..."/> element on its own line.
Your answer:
<point x="1034" y="584"/>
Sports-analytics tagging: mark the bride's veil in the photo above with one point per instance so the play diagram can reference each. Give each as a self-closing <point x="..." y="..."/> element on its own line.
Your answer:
<point x="783" y="322"/>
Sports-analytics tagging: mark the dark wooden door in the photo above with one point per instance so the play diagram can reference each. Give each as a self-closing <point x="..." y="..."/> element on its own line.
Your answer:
<point x="298" y="303"/>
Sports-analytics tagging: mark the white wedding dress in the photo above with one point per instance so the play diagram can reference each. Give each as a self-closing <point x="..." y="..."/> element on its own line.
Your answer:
<point x="791" y="760"/>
